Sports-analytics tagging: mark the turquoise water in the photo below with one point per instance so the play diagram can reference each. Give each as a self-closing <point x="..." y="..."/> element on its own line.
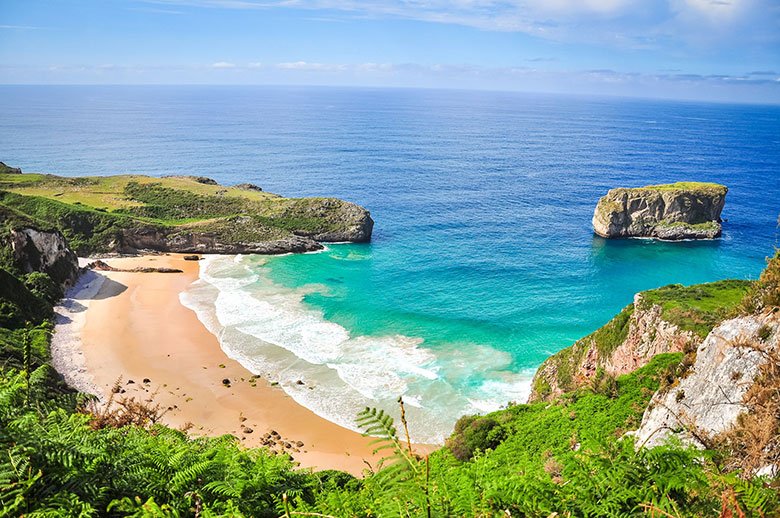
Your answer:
<point x="483" y="260"/>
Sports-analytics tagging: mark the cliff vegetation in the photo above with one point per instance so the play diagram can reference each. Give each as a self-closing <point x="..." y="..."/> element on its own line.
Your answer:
<point x="182" y="214"/>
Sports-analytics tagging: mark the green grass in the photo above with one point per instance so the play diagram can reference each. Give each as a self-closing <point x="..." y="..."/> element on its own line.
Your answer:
<point x="109" y="192"/>
<point x="697" y="308"/>
<point x="87" y="230"/>
<point x="93" y="212"/>
<point x="688" y="186"/>
<point x="707" y="225"/>
<point x="588" y="417"/>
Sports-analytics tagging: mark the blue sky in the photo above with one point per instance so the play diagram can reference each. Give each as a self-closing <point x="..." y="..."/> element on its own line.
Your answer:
<point x="690" y="49"/>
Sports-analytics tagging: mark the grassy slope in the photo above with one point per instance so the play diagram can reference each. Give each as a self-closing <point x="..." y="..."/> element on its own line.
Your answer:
<point x="92" y="211"/>
<point x="700" y="307"/>
<point x="108" y="192"/>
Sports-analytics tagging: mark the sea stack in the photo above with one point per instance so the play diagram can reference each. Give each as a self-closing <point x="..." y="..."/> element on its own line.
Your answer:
<point x="682" y="210"/>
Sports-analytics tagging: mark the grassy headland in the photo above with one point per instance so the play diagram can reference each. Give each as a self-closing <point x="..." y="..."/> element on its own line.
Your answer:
<point x="102" y="214"/>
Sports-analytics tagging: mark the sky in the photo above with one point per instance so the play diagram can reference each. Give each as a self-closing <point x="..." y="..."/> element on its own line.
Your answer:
<point x="718" y="50"/>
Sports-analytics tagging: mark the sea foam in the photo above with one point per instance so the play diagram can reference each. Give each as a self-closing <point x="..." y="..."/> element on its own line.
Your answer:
<point x="272" y="332"/>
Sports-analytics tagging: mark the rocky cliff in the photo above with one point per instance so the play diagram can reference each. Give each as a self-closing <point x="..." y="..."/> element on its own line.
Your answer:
<point x="670" y="319"/>
<point x="28" y="246"/>
<point x="684" y="210"/>
<point x="44" y="251"/>
<point x="180" y="214"/>
<point x="710" y="398"/>
<point x="729" y="398"/>
<point x="624" y="344"/>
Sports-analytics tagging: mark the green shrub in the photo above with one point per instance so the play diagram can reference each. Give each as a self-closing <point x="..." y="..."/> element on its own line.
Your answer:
<point x="473" y="434"/>
<point x="44" y="287"/>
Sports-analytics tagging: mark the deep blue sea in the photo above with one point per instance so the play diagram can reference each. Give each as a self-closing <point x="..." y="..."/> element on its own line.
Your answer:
<point x="483" y="260"/>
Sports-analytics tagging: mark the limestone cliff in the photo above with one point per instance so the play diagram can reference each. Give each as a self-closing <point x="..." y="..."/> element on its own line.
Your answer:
<point x="709" y="399"/>
<point x="44" y="251"/>
<point x="624" y="344"/>
<point x="684" y="210"/>
<point x="729" y="398"/>
<point x="27" y="245"/>
<point x="670" y="319"/>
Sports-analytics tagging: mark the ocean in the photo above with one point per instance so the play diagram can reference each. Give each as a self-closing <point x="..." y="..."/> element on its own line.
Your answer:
<point x="483" y="261"/>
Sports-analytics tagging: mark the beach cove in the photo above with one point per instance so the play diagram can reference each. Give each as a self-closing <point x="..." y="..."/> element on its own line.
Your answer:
<point x="123" y="326"/>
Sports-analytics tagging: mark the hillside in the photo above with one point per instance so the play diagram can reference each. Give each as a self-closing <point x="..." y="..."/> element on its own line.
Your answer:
<point x="671" y="319"/>
<point x="187" y="214"/>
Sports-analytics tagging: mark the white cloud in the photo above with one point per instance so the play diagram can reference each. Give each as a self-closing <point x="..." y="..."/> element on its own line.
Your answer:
<point x="223" y="64"/>
<point x="303" y="65"/>
<point x="636" y="24"/>
<point x="19" y="27"/>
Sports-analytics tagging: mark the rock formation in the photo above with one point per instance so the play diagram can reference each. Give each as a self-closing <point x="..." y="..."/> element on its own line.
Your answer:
<point x="629" y="341"/>
<point x="709" y="399"/>
<point x="44" y="251"/>
<point x="684" y="210"/>
<point x="102" y="266"/>
<point x="163" y="240"/>
<point x="5" y="169"/>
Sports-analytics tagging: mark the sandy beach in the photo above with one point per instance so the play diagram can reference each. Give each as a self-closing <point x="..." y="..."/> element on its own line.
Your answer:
<point x="132" y="326"/>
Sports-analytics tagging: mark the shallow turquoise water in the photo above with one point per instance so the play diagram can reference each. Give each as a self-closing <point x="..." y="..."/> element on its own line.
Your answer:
<point x="483" y="260"/>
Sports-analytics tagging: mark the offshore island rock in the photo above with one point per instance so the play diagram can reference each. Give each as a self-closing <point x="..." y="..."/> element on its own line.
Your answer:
<point x="683" y="210"/>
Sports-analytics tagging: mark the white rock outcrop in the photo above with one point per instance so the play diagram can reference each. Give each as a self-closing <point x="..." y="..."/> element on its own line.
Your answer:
<point x="709" y="399"/>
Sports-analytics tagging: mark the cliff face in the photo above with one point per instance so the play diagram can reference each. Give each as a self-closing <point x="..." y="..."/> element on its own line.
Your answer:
<point x="710" y="398"/>
<point x="671" y="212"/>
<point x="626" y="343"/>
<point x="133" y="240"/>
<point x="670" y="319"/>
<point x="44" y="251"/>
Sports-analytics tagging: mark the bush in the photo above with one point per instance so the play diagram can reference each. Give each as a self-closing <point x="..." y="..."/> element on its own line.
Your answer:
<point x="473" y="434"/>
<point x="43" y="286"/>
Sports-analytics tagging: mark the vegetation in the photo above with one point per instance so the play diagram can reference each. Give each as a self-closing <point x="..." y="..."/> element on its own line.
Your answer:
<point x="765" y="293"/>
<point x="705" y="226"/>
<point x="64" y="456"/>
<point x="567" y="361"/>
<point x="711" y="188"/>
<point x="95" y="212"/>
<point x="697" y="308"/>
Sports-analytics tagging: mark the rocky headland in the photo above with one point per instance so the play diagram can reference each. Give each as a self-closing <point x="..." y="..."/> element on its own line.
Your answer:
<point x="723" y="394"/>
<point x="683" y="210"/>
<point x="186" y="214"/>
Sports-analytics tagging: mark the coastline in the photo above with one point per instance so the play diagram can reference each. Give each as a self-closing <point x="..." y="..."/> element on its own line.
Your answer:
<point x="133" y="325"/>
